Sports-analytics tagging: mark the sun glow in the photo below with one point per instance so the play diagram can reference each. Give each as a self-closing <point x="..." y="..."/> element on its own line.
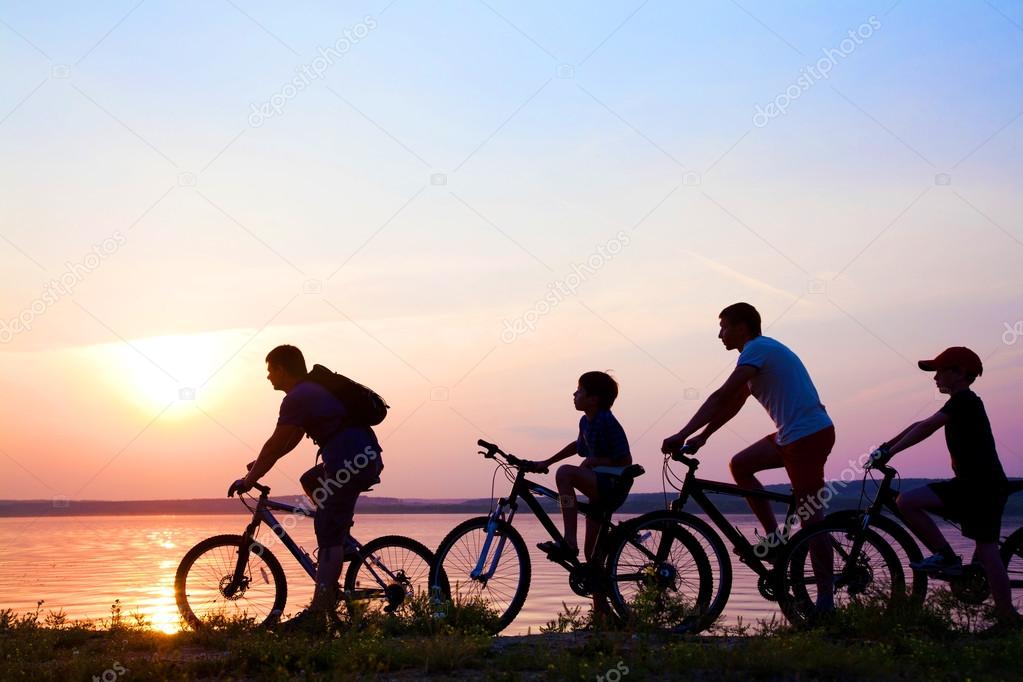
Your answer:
<point x="176" y="373"/>
<point x="162" y="611"/>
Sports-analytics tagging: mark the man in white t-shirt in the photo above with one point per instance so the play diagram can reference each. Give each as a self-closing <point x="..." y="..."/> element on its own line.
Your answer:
<point x="805" y="434"/>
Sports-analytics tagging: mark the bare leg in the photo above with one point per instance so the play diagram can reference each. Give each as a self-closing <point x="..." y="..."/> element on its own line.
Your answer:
<point x="914" y="506"/>
<point x="821" y="553"/>
<point x="987" y="556"/>
<point x="568" y="479"/>
<point x="763" y="454"/>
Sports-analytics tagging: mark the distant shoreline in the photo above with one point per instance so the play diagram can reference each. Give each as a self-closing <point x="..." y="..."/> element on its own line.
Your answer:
<point x="848" y="497"/>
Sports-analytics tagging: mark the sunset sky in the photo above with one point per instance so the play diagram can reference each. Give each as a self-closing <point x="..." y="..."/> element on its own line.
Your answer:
<point x="391" y="186"/>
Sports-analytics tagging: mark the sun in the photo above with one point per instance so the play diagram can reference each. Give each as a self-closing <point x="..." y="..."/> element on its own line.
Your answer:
<point x="176" y="373"/>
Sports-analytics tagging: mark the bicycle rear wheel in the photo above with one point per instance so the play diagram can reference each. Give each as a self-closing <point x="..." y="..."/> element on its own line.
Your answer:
<point x="389" y="574"/>
<point x="864" y="568"/>
<point x="660" y="575"/>
<point x="500" y="590"/>
<point x="204" y="584"/>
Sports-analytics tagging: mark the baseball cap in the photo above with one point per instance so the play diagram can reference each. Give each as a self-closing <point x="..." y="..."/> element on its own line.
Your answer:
<point x="956" y="356"/>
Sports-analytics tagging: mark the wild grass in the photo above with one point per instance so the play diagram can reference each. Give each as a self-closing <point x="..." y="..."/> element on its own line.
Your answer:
<point x="860" y="642"/>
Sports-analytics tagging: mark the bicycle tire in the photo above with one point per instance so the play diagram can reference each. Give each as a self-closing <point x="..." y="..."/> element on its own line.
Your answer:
<point x="884" y="577"/>
<point x="684" y="612"/>
<point x="204" y="572"/>
<point x="403" y="573"/>
<point x="900" y="539"/>
<point x="717" y="553"/>
<point x="458" y="554"/>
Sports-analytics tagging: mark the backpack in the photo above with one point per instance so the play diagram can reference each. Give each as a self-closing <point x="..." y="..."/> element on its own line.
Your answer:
<point x="364" y="406"/>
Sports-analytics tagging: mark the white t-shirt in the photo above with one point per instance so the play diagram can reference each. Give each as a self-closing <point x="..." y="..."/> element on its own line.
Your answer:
<point x="783" y="386"/>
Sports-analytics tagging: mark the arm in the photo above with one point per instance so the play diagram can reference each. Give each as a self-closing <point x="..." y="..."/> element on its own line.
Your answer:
<point x="917" y="432"/>
<point x="284" y="439"/>
<point x="720" y="406"/>
<point x="564" y="453"/>
<point x="727" y="412"/>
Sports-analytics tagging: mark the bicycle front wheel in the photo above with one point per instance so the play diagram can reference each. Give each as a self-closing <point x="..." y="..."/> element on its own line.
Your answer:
<point x="501" y="586"/>
<point x="389" y="574"/>
<point x="660" y="575"/>
<point x="858" y="566"/>
<point x="208" y="595"/>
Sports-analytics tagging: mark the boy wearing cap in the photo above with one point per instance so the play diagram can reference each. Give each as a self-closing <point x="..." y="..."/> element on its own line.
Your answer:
<point x="977" y="494"/>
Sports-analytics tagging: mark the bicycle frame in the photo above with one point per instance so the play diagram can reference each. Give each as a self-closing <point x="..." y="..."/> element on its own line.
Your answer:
<point x="262" y="514"/>
<point x="697" y="488"/>
<point x="885" y="499"/>
<point x="527" y="491"/>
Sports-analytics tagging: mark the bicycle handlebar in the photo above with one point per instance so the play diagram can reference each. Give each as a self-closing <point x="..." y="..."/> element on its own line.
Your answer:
<point x="490" y="451"/>
<point x="679" y="455"/>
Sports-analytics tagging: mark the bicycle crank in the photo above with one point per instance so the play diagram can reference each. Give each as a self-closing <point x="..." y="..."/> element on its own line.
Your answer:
<point x="585" y="579"/>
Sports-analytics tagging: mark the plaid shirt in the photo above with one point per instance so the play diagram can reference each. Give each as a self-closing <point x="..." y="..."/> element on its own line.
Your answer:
<point x="602" y="436"/>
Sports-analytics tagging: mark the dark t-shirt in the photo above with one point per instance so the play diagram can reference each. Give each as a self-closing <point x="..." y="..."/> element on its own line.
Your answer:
<point x="602" y="436"/>
<point x="970" y="441"/>
<point x="315" y="410"/>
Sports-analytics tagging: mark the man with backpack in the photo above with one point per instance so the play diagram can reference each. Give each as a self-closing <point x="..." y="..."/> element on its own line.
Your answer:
<point x="338" y="415"/>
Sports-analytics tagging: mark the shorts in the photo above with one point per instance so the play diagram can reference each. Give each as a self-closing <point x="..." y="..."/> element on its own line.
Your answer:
<point x="335" y="494"/>
<point x="978" y="508"/>
<point x="804" y="459"/>
<point x="612" y="488"/>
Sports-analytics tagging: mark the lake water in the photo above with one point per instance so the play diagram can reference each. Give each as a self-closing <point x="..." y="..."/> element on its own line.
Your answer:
<point x="81" y="564"/>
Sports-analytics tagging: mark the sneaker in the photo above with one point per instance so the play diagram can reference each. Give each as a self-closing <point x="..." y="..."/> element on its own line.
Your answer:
<point x="938" y="563"/>
<point x="768" y="547"/>
<point x="557" y="550"/>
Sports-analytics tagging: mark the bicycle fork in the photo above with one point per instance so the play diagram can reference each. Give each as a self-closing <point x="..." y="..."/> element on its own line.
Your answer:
<point x="481" y="572"/>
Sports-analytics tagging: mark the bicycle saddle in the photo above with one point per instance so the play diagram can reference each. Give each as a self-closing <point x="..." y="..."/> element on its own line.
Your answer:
<point x="634" y="471"/>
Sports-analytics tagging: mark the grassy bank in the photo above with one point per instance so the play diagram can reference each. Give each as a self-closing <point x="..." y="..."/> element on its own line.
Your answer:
<point x="859" y="644"/>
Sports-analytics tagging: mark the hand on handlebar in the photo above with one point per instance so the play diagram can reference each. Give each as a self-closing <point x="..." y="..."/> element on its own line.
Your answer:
<point x="879" y="457"/>
<point x="673" y="443"/>
<point x="694" y="443"/>
<point x="678" y="444"/>
<point x="240" y="486"/>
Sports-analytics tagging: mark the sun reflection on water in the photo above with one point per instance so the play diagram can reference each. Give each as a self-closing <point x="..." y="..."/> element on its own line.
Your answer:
<point x="162" y="611"/>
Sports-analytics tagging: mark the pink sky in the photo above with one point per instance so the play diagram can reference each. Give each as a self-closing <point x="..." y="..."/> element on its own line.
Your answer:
<point x="401" y="212"/>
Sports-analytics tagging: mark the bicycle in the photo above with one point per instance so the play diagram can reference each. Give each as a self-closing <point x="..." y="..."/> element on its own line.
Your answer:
<point x="969" y="587"/>
<point x="234" y="576"/>
<point x="710" y="540"/>
<point x="486" y="559"/>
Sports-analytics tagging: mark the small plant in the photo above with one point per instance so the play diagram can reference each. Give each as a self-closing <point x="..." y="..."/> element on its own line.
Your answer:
<point x="569" y="619"/>
<point x="655" y="609"/>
